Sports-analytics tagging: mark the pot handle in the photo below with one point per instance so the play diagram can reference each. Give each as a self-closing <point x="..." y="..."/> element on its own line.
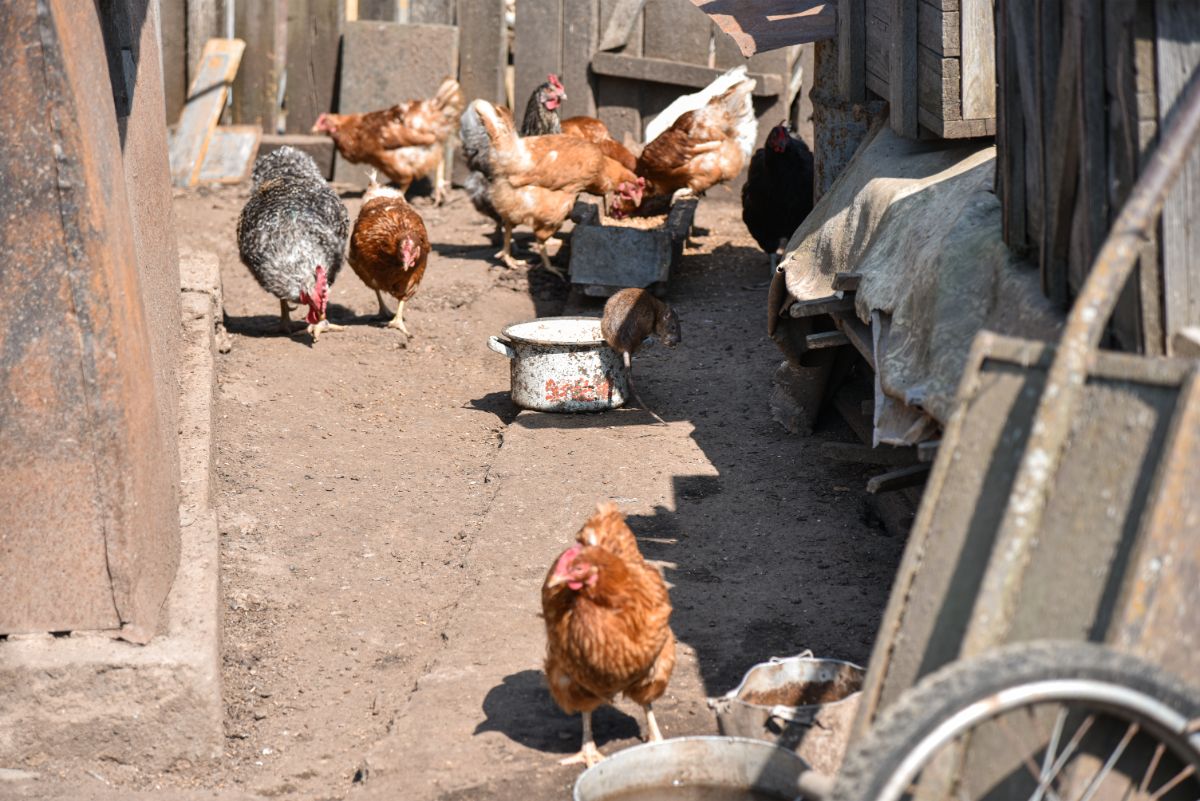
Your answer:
<point x="500" y="346"/>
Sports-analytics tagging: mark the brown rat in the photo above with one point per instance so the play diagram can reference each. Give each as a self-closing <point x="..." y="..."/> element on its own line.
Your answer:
<point x="630" y="316"/>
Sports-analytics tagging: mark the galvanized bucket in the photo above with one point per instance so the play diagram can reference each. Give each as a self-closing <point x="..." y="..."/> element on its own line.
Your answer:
<point x="562" y="364"/>
<point x="733" y="763"/>
<point x="799" y="702"/>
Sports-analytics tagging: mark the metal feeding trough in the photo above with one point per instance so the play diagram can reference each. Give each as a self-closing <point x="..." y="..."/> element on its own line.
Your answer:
<point x="799" y="702"/>
<point x="709" y="768"/>
<point x="607" y="258"/>
<point x="562" y="364"/>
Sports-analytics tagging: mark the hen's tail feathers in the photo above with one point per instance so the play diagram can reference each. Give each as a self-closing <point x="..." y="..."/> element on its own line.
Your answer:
<point x="739" y="106"/>
<point x="693" y="102"/>
<point x="449" y="95"/>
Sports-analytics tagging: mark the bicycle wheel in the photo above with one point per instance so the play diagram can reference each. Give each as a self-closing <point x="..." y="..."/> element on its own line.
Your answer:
<point x="1039" y="721"/>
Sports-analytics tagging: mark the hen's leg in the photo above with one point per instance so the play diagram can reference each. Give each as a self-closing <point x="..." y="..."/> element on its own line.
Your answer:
<point x="439" y="185"/>
<point x="398" y="320"/>
<point x="285" y="316"/>
<point x="383" y="309"/>
<point x="505" y="255"/>
<point x="546" y="261"/>
<point x="588" y="755"/>
<point x="655" y="736"/>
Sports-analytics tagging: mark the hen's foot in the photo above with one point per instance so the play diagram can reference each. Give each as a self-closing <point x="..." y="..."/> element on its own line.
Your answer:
<point x="397" y="322"/>
<point x="652" y="725"/>
<point x="589" y="755"/>
<point x="316" y="329"/>
<point x="509" y="259"/>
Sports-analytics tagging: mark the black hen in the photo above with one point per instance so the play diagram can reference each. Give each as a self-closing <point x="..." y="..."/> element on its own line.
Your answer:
<point x="778" y="193"/>
<point x="292" y="234"/>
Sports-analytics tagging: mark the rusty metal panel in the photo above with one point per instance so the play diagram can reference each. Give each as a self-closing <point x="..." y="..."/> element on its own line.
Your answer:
<point x="91" y="535"/>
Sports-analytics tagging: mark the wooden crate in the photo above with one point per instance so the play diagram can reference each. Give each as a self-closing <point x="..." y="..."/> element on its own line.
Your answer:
<point x="933" y="60"/>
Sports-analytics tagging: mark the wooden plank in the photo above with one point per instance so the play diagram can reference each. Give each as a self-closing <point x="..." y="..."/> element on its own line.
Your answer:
<point x="231" y="154"/>
<point x="173" y="25"/>
<point x="205" y="20"/>
<point x="314" y="34"/>
<point x="537" y="46"/>
<point x="429" y="12"/>
<point x="620" y="22"/>
<point x="1062" y="169"/>
<point x="672" y="72"/>
<point x="256" y="87"/>
<point x="826" y="339"/>
<point x="379" y="10"/>
<point x="846" y="282"/>
<point x="956" y="129"/>
<point x="938" y="30"/>
<point x="859" y="334"/>
<point x="902" y="73"/>
<point x="938" y="84"/>
<point x="820" y="306"/>
<point x="1010" y="138"/>
<point x="1093" y="142"/>
<point x="877" y="84"/>
<point x="206" y="101"/>
<point x="927" y="451"/>
<point x="852" y="50"/>
<point x="979" y="59"/>
<point x="1178" y="55"/>
<point x="581" y="22"/>
<point x="674" y="33"/>
<point x="483" y="49"/>
<point x="878" y="44"/>
<point x="619" y="101"/>
<point x="905" y="477"/>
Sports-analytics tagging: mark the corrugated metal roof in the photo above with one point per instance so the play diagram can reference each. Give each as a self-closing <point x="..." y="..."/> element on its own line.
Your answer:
<point x="761" y="25"/>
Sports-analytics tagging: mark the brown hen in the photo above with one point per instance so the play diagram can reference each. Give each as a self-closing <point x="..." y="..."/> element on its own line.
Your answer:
<point x="607" y="618"/>
<point x="404" y="142"/>
<point x="389" y="248"/>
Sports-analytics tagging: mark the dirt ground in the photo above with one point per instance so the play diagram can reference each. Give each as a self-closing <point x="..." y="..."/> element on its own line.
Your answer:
<point x="387" y="516"/>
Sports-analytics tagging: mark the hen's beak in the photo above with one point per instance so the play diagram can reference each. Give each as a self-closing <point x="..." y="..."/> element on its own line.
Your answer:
<point x="556" y="580"/>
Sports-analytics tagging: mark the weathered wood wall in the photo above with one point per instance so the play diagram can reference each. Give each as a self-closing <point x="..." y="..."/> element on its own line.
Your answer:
<point x="932" y="60"/>
<point x="1083" y="88"/>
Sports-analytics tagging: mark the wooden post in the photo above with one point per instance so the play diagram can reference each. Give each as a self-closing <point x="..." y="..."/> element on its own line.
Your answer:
<point x="483" y="49"/>
<point x="379" y="10"/>
<point x="580" y="35"/>
<point x="852" y="50"/>
<point x="256" y="87"/>
<point x="314" y="36"/>
<point x="537" y="49"/>
<point x="978" y="59"/>
<point x="1178" y="55"/>
<point x="88" y="487"/>
<point x="902" y="69"/>
<point x="618" y="100"/>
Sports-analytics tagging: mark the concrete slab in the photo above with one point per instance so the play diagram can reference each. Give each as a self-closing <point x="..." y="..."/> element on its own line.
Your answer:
<point x="88" y="696"/>
<point x="370" y="81"/>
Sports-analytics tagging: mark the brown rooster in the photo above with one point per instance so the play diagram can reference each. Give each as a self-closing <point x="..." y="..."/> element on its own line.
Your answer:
<point x="534" y="180"/>
<point x="404" y="142"/>
<point x="389" y="248"/>
<point x="607" y="626"/>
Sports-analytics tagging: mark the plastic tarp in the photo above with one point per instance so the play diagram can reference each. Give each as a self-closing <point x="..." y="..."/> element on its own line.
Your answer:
<point x="920" y="223"/>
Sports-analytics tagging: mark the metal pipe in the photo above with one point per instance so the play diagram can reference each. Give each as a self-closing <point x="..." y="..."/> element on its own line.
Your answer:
<point x="1052" y="425"/>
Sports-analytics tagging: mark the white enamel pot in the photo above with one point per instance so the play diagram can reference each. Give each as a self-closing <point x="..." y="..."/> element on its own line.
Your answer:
<point x="562" y="364"/>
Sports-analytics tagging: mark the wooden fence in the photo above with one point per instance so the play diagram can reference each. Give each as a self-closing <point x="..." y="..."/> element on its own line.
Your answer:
<point x="1083" y="87"/>
<point x="289" y="71"/>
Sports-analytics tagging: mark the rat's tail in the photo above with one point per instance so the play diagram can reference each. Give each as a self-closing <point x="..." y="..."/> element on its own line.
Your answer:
<point x="633" y="390"/>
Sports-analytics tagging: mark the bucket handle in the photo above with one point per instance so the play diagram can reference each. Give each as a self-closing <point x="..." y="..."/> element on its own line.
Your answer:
<point x="805" y="654"/>
<point x="500" y="346"/>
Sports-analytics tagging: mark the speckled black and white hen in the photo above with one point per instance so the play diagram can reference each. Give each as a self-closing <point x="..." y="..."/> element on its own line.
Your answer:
<point x="292" y="235"/>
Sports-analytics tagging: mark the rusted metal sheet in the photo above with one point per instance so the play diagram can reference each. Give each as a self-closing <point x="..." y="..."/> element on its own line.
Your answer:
<point x="87" y="491"/>
<point x="758" y="26"/>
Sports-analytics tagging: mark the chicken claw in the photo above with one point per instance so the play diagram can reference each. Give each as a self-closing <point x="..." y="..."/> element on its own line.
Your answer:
<point x="316" y="329"/>
<point x="655" y="735"/>
<point x="550" y="267"/>
<point x="589" y="755"/>
<point x="398" y="321"/>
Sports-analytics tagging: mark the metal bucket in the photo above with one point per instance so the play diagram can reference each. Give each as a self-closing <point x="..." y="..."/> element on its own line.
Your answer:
<point x="798" y="702"/>
<point x="562" y="364"/>
<point x="730" y="763"/>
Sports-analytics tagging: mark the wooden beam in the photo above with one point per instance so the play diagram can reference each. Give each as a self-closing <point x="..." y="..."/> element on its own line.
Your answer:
<point x="826" y="339"/>
<point x="864" y="454"/>
<point x="659" y="70"/>
<point x="903" y="478"/>
<point x="978" y="59"/>
<point x="820" y="306"/>
<point x="846" y="282"/>
<point x="206" y="101"/>
<point x="902" y="68"/>
<point x="852" y="50"/>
